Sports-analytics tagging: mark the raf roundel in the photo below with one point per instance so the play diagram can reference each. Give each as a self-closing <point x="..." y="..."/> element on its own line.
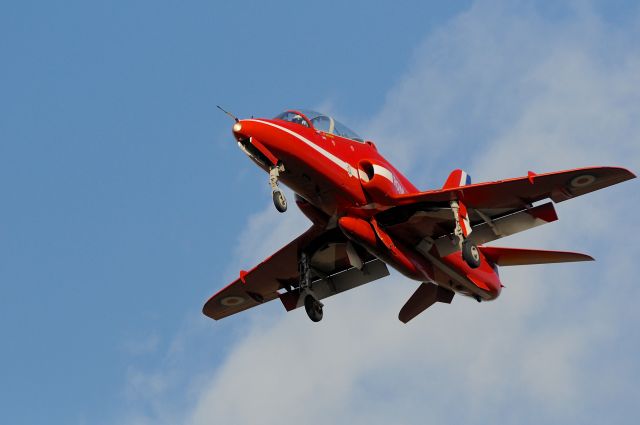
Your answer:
<point x="232" y="301"/>
<point x="583" y="180"/>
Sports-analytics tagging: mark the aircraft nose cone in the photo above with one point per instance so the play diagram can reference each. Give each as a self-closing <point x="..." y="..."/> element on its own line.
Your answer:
<point x="243" y="129"/>
<point x="237" y="129"/>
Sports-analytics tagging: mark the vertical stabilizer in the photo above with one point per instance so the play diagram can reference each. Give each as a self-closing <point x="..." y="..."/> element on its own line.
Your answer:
<point x="457" y="178"/>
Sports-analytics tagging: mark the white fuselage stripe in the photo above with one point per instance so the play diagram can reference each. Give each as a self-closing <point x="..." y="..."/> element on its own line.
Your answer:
<point x="339" y="162"/>
<point x="383" y="172"/>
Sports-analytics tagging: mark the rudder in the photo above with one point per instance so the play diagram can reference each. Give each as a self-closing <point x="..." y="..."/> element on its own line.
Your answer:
<point x="457" y="178"/>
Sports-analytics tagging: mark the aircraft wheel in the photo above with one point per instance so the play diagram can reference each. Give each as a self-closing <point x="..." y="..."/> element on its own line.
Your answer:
<point x="471" y="254"/>
<point x="279" y="200"/>
<point x="313" y="307"/>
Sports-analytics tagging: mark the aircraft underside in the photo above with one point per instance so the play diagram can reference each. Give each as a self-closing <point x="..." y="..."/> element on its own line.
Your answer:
<point x="366" y="216"/>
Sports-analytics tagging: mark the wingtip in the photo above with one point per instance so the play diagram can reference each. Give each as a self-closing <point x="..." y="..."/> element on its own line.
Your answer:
<point x="622" y="171"/>
<point x="209" y="310"/>
<point x="630" y="174"/>
<point x="206" y="310"/>
<point x="625" y="173"/>
<point x="404" y="321"/>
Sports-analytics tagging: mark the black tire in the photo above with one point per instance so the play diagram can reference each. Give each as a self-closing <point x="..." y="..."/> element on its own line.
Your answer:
<point x="313" y="308"/>
<point x="471" y="254"/>
<point x="279" y="201"/>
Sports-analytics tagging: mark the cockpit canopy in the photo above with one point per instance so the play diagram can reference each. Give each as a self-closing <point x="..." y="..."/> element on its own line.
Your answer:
<point x="320" y="122"/>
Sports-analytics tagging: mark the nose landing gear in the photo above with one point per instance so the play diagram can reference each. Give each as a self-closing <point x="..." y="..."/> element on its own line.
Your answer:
<point x="279" y="200"/>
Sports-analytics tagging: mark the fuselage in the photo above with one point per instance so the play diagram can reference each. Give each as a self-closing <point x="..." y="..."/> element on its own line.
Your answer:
<point x="346" y="182"/>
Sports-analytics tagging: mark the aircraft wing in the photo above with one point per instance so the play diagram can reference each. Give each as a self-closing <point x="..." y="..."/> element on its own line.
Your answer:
<point x="278" y="276"/>
<point x="519" y="192"/>
<point x="507" y="203"/>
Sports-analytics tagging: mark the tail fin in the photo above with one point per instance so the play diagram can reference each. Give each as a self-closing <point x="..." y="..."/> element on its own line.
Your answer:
<point x="520" y="257"/>
<point x="457" y="178"/>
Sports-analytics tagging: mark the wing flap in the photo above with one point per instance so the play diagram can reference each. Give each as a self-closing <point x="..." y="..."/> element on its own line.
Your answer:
<point x="520" y="256"/>
<point x="339" y="282"/>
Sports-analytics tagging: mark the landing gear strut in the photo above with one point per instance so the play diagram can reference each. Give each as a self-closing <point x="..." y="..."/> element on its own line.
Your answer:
<point x="312" y="305"/>
<point x="470" y="253"/>
<point x="278" y="197"/>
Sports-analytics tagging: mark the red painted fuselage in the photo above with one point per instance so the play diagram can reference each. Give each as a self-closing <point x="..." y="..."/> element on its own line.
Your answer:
<point x="346" y="182"/>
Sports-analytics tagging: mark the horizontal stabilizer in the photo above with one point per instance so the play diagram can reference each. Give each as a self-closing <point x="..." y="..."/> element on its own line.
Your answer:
<point x="425" y="296"/>
<point x="521" y="257"/>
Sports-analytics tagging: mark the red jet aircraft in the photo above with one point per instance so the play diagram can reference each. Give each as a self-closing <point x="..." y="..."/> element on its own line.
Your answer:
<point x="367" y="215"/>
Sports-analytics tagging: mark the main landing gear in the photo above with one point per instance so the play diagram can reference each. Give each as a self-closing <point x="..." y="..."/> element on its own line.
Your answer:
<point x="278" y="197"/>
<point x="470" y="252"/>
<point x="312" y="305"/>
<point x="313" y="308"/>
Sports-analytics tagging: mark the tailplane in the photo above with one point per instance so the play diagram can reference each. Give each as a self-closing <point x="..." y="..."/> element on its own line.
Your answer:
<point x="424" y="297"/>
<point x="521" y="257"/>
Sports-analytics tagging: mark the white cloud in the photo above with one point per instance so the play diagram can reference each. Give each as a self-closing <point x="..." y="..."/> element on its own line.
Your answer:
<point x="497" y="92"/>
<point x="267" y="231"/>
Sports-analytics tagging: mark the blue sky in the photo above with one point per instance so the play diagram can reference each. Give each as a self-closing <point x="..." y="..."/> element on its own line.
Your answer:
<point x="126" y="204"/>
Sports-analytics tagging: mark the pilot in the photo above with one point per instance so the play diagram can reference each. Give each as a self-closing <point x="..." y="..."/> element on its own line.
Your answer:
<point x="299" y="120"/>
